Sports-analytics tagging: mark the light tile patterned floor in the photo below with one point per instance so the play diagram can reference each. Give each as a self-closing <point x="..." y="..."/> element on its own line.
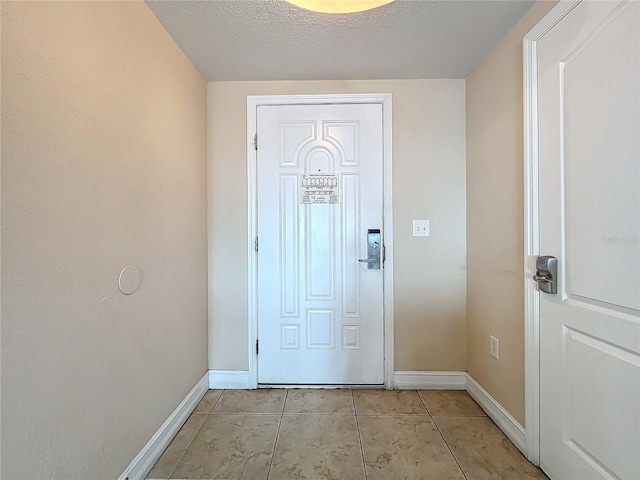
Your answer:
<point x="341" y="435"/>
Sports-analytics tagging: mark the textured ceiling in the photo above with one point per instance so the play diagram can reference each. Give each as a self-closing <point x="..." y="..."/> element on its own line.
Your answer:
<point x="273" y="40"/>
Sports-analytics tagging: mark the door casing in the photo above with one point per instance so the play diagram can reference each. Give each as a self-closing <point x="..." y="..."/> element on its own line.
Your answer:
<point x="253" y="102"/>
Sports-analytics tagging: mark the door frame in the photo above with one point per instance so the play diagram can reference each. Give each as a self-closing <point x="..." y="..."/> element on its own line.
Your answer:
<point x="532" y="227"/>
<point x="253" y="102"/>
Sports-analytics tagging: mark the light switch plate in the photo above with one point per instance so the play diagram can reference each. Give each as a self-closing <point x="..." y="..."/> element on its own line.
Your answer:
<point x="494" y="349"/>
<point x="421" y="228"/>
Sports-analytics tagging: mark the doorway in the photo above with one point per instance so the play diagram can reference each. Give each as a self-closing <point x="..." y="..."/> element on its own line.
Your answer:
<point x="320" y="224"/>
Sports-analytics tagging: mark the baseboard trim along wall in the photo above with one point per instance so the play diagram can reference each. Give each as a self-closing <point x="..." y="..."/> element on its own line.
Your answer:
<point x="429" y="380"/>
<point x="150" y="453"/>
<point x="509" y="425"/>
<point x="229" y="379"/>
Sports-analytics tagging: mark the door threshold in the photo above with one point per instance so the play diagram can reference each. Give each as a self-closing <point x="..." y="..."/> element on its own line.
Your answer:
<point x="324" y="386"/>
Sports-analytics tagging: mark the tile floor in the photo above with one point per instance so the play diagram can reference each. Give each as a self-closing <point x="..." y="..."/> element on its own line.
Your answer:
<point x="341" y="435"/>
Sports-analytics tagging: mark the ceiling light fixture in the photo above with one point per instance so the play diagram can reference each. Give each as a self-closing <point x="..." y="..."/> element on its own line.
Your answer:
<point x="339" y="6"/>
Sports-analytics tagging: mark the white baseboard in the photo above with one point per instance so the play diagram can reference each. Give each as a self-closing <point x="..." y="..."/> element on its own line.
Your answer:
<point x="429" y="380"/>
<point x="149" y="455"/>
<point x="229" y="379"/>
<point x="509" y="425"/>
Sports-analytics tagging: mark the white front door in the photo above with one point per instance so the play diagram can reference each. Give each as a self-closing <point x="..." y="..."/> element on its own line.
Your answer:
<point x="319" y="184"/>
<point x="589" y="199"/>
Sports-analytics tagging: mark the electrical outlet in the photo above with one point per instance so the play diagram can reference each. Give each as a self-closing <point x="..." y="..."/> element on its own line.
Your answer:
<point x="494" y="349"/>
<point x="421" y="228"/>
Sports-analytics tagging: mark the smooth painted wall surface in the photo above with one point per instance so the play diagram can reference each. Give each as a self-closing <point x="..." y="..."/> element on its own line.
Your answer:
<point x="495" y="217"/>
<point x="103" y="165"/>
<point x="428" y="183"/>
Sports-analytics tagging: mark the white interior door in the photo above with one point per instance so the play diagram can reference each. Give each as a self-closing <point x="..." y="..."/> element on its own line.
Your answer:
<point x="320" y="189"/>
<point x="589" y="199"/>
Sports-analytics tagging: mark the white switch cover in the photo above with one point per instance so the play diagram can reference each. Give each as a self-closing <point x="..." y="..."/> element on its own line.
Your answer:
<point x="494" y="349"/>
<point x="421" y="228"/>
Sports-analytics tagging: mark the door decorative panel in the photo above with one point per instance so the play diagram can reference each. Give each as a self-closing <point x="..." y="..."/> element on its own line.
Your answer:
<point x="350" y="246"/>
<point x="289" y="240"/>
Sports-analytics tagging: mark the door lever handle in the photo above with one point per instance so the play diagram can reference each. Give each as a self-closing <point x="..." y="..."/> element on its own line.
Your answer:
<point x="547" y="274"/>
<point x="373" y="249"/>
<point x="542" y="278"/>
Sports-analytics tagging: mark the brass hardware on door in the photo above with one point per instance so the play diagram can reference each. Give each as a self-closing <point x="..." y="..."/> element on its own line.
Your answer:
<point x="373" y="249"/>
<point x="547" y="274"/>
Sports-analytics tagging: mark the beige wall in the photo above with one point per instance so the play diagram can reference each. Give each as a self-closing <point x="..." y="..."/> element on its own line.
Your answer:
<point x="428" y="183"/>
<point x="495" y="218"/>
<point x="103" y="164"/>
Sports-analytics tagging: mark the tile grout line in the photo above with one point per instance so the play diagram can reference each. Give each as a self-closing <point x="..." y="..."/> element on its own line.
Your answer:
<point x="442" y="436"/>
<point x="391" y="414"/>
<point x="275" y="443"/>
<point x="355" y="413"/>
<point x="195" y="434"/>
<point x="216" y="402"/>
<point x="462" y="415"/>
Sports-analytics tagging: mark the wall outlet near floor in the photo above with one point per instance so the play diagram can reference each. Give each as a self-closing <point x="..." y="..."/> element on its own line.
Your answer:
<point x="494" y="349"/>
